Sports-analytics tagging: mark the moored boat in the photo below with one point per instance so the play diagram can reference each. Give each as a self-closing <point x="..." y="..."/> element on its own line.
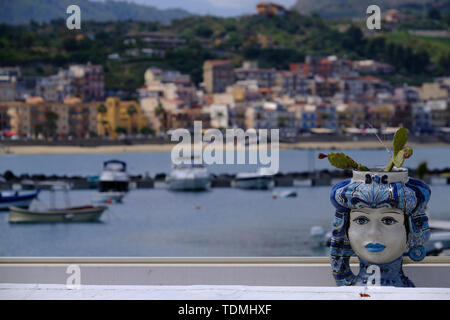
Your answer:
<point x="114" y="182"/>
<point x="54" y="214"/>
<point x="189" y="177"/>
<point x="74" y="214"/>
<point x="17" y="198"/>
<point x="262" y="179"/>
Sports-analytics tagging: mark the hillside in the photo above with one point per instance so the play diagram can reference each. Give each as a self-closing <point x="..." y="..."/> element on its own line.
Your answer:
<point x="41" y="49"/>
<point x="22" y="11"/>
<point x="356" y="8"/>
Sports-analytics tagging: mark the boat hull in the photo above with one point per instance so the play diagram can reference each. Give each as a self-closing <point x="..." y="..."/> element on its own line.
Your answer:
<point x="260" y="183"/>
<point x="105" y="197"/>
<point x="83" y="214"/>
<point x="195" y="184"/>
<point x="23" y="201"/>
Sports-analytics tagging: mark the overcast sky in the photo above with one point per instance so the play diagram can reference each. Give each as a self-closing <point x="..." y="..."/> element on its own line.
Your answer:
<point x="213" y="7"/>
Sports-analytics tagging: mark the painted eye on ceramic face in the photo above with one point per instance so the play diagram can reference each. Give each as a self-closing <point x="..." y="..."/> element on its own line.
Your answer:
<point x="361" y="220"/>
<point x="389" y="221"/>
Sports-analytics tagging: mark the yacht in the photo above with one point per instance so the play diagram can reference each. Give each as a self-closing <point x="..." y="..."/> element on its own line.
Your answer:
<point x="261" y="179"/>
<point x="114" y="181"/>
<point x="189" y="177"/>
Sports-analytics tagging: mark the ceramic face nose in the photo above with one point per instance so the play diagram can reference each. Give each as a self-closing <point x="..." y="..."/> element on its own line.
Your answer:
<point x="374" y="230"/>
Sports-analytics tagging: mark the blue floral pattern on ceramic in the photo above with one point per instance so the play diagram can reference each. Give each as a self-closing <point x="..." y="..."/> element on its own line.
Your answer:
<point x="377" y="189"/>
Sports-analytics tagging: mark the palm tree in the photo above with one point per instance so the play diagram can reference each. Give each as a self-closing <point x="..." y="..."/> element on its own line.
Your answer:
<point x="104" y="125"/>
<point x="161" y="113"/>
<point x="101" y="109"/>
<point x="131" y="112"/>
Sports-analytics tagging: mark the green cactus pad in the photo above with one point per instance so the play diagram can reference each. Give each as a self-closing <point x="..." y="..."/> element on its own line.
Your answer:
<point x="342" y="161"/>
<point x="399" y="158"/>
<point x="400" y="139"/>
<point x="362" y="168"/>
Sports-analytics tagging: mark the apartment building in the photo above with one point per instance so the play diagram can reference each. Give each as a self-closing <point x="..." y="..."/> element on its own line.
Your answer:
<point x="8" y="82"/>
<point x="271" y="115"/>
<point x="120" y="116"/>
<point x="156" y="40"/>
<point x="265" y="78"/>
<point x="88" y="82"/>
<point x="217" y="75"/>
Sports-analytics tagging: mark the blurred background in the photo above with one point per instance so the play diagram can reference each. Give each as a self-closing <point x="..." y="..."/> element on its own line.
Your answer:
<point x="72" y="100"/>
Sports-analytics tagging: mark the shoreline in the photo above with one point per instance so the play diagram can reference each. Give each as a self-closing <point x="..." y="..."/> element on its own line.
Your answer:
<point x="342" y="145"/>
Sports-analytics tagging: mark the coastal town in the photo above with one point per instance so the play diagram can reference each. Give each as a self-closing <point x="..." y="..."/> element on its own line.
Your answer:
<point x="323" y="95"/>
<point x="317" y="95"/>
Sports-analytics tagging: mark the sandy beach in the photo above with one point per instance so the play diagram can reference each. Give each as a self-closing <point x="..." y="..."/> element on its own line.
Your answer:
<point x="168" y="147"/>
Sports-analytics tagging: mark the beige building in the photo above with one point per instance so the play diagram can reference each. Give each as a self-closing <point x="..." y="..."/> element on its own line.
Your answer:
<point x="432" y="91"/>
<point x="34" y="117"/>
<point x="118" y="116"/>
<point x="217" y="75"/>
<point x="351" y="115"/>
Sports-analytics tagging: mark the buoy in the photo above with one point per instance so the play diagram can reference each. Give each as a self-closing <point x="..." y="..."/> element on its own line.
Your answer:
<point x="109" y="201"/>
<point x="197" y="207"/>
<point x="274" y="196"/>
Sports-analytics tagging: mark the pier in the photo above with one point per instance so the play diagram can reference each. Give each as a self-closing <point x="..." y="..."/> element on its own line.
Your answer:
<point x="9" y="181"/>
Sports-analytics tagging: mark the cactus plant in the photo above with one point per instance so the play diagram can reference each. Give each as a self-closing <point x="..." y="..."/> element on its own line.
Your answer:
<point x="342" y="161"/>
<point x="400" y="153"/>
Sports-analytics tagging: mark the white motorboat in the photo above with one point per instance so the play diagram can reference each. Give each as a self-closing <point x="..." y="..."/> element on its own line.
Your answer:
<point x="113" y="182"/>
<point x="189" y="177"/>
<point x="261" y="179"/>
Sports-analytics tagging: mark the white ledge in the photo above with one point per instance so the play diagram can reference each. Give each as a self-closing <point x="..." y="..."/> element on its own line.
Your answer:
<point x="99" y="292"/>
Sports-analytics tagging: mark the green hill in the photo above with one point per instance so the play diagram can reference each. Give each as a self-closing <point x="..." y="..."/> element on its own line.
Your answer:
<point x="22" y="11"/>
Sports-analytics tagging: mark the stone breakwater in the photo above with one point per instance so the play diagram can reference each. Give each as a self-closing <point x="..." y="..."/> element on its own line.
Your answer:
<point x="8" y="180"/>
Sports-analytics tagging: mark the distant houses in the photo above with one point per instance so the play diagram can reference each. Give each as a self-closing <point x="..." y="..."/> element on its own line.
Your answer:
<point x="320" y="95"/>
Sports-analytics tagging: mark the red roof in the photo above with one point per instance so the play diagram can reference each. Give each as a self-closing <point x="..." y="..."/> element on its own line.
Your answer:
<point x="371" y="78"/>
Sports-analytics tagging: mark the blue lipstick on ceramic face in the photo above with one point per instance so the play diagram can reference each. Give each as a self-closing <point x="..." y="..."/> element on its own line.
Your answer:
<point x="375" y="247"/>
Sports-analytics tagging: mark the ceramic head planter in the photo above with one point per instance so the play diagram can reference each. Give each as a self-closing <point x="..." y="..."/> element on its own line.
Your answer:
<point x="380" y="216"/>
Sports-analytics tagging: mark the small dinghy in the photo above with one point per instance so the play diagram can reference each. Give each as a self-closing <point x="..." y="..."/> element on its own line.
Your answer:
<point x="52" y="214"/>
<point x="74" y="214"/>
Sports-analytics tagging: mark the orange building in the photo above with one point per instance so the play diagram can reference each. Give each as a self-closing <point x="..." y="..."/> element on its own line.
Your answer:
<point x="270" y="9"/>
